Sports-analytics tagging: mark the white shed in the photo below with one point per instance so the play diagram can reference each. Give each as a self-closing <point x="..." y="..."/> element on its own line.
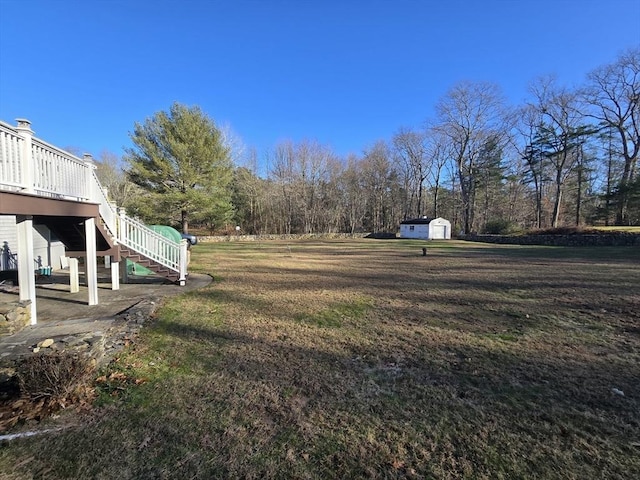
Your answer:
<point x="426" y="228"/>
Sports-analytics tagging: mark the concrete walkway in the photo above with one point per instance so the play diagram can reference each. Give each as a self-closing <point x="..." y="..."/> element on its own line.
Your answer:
<point x="61" y="313"/>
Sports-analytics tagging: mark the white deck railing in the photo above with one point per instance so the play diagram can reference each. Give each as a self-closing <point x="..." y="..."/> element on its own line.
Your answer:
<point x="59" y="174"/>
<point x="10" y="157"/>
<point x="32" y="166"/>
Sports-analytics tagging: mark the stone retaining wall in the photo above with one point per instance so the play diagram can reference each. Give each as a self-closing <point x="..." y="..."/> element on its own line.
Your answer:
<point x="100" y="345"/>
<point x="260" y="238"/>
<point x="14" y="316"/>
<point x="618" y="239"/>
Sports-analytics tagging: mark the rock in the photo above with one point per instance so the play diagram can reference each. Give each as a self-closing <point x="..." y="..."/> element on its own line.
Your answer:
<point x="46" y="343"/>
<point x="93" y="340"/>
<point x="74" y="342"/>
<point x="36" y="349"/>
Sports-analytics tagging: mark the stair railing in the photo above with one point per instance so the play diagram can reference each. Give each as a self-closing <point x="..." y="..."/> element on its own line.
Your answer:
<point x="136" y="235"/>
<point x="164" y="251"/>
<point x="108" y="211"/>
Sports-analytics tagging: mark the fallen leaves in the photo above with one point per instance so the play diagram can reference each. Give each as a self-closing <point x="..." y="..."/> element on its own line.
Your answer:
<point x="117" y="382"/>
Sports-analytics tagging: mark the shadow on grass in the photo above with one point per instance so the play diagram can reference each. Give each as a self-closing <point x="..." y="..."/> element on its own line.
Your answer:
<point x="491" y="372"/>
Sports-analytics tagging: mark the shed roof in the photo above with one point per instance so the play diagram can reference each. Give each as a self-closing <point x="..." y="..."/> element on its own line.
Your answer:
<point x="417" y="221"/>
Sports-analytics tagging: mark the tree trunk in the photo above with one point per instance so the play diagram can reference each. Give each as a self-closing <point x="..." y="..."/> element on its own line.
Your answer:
<point x="465" y="193"/>
<point x="556" y="203"/>
<point x="623" y="196"/>
<point x="579" y="194"/>
<point x="185" y="222"/>
<point x="607" y="203"/>
<point x="538" y="204"/>
<point x="626" y="179"/>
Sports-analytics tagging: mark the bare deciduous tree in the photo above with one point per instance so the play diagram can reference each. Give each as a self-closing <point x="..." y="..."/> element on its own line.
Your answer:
<point x="470" y="116"/>
<point x="409" y="146"/>
<point x="439" y="154"/>
<point x="379" y="180"/>
<point x="113" y="177"/>
<point x="613" y="91"/>
<point x="529" y="122"/>
<point x="559" y="135"/>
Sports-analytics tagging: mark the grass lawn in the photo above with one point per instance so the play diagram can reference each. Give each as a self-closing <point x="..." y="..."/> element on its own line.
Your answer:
<point x="631" y="229"/>
<point x="364" y="359"/>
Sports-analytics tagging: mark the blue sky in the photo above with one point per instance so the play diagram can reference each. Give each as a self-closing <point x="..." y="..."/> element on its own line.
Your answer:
<point x="345" y="73"/>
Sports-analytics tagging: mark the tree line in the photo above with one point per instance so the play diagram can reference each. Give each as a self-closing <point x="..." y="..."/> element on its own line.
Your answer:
<point x="566" y="156"/>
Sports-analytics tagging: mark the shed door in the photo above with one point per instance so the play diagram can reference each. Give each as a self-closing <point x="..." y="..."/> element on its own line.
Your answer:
<point x="438" y="232"/>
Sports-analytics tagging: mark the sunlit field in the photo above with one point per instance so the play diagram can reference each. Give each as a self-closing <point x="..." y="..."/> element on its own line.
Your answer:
<point x="366" y="359"/>
<point x="631" y="229"/>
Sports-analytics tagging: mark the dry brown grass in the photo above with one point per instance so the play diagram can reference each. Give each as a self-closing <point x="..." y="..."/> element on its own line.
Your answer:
<point x="363" y="359"/>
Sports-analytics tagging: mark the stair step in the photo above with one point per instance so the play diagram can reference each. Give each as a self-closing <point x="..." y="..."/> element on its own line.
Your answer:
<point x="150" y="264"/>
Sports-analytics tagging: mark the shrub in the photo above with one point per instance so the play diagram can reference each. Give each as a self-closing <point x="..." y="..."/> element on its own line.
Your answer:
<point x="500" y="227"/>
<point x="60" y="379"/>
<point x="566" y="230"/>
